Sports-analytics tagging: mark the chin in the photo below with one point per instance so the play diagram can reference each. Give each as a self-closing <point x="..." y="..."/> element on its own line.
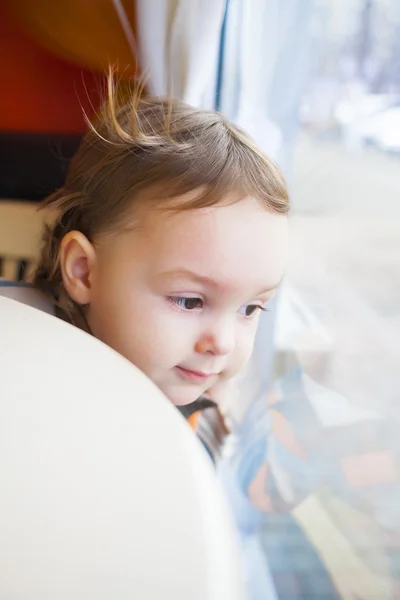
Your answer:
<point x="183" y="397"/>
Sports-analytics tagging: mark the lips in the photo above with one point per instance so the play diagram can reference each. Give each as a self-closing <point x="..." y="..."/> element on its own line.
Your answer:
<point x="195" y="376"/>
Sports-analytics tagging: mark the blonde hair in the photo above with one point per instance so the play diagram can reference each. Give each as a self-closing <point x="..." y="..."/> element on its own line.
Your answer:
<point x="159" y="145"/>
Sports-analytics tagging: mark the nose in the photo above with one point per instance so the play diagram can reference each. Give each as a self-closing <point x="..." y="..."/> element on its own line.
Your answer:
<point x="219" y="339"/>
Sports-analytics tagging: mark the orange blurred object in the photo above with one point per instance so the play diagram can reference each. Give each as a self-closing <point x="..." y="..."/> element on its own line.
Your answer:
<point x="193" y="419"/>
<point x="89" y="33"/>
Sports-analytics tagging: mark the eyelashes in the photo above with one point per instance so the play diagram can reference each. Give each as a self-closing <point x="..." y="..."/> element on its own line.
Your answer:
<point x="253" y="308"/>
<point x="188" y="304"/>
<point x="196" y="304"/>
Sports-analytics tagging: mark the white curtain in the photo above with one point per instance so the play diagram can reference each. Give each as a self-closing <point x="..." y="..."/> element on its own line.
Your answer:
<point x="179" y="47"/>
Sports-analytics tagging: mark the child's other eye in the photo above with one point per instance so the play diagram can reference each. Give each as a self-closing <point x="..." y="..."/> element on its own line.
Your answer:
<point x="248" y="310"/>
<point x="189" y="304"/>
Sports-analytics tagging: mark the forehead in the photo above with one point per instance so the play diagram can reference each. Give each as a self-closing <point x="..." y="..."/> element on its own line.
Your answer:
<point x="237" y="244"/>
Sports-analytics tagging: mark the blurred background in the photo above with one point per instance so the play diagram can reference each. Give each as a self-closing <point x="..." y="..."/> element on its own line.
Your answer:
<point x="312" y="467"/>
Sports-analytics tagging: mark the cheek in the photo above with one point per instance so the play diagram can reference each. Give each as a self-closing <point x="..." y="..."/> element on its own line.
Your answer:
<point x="141" y="326"/>
<point x="244" y="348"/>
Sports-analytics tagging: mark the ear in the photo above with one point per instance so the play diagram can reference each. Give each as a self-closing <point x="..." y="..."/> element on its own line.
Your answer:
<point x="77" y="264"/>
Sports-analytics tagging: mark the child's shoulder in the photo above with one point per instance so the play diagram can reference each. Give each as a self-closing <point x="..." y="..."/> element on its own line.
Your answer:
<point x="26" y="294"/>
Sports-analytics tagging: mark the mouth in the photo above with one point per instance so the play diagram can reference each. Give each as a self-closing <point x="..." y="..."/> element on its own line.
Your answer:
<point x="194" y="376"/>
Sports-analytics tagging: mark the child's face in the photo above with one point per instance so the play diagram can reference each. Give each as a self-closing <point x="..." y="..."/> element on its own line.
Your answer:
<point x="178" y="296"/>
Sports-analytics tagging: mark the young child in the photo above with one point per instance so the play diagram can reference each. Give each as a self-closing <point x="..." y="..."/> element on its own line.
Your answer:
<point x="168" y="242"/>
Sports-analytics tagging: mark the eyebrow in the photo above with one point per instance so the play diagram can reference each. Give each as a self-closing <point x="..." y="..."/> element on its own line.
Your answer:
<point x="205" y="280"/>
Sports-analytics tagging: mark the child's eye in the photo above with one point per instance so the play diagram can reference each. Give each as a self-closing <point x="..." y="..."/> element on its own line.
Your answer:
<point x="248" y="310"/>
<point x="189" y="304"/>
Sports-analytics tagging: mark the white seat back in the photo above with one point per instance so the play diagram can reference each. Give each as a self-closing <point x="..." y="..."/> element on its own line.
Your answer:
<point x="105" y="491"/>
